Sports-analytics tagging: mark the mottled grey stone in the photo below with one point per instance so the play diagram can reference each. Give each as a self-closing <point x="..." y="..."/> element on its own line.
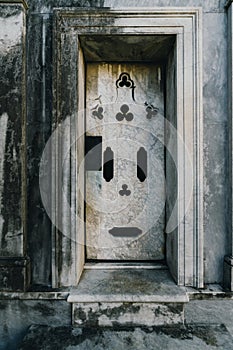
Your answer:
<point x="18" y="315"/>
<point x="215" y="201"/>
<point x="14" y="266"/>
<point x="12" y="126"/>
<point x="118" y="285"/>
<point x="215" y="145"/>
<point x="127" y="297"/>
<point x="209" y="311"/>
<point x="111" y="314"/>
<point x="39" y="100"/>
<point x="215" y="68"/>
<point x="196" y="337"/>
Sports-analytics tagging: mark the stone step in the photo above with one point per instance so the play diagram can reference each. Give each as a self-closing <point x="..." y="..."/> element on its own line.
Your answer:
<point x="127" y="297"/>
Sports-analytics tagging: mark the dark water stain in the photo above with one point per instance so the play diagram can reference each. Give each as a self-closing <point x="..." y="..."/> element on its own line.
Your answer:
<point x="41" y="337"/>
<point x="44" y="309"/>
<point x="91" y="318"/>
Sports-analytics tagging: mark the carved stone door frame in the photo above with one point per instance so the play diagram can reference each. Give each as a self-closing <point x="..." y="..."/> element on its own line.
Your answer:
<point x="185" y="240"/>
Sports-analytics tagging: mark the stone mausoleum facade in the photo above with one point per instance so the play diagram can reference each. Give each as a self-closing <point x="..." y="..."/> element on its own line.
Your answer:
<point x="115" y="160"/>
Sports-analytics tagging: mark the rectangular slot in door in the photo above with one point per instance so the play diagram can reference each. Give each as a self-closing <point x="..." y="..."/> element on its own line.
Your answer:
<point x="93" y="153"/>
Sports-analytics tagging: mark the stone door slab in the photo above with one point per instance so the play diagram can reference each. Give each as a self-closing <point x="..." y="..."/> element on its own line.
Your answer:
<point x="124" y="163"/>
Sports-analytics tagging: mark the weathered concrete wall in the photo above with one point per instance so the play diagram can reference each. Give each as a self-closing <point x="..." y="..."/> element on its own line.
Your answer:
<point x="17" y="315"/>
<point x="14" y="271"/>
<point x="39" y="28"/>
<point x="12" y="98"/>
<point x="39" y="118"/>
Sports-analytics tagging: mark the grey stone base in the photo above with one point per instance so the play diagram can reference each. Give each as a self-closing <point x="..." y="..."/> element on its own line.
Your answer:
<point x="198" y="336"/>
<point x="127" y="314"/>
<point x="14" y="274"/>
<point x="136" y="297"/>
<point x="228" y="273"/>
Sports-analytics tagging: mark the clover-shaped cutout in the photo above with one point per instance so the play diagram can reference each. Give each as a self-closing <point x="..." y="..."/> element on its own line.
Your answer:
<point x="151" y="110"/>
<point x="124" y="114"/>
<point x="98" y="113"/>
<point x="124" y="191"/>
<point x="125" y="80"/>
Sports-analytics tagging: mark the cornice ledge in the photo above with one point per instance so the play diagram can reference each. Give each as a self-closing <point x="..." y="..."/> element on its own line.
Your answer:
<point x="127" y="11"/>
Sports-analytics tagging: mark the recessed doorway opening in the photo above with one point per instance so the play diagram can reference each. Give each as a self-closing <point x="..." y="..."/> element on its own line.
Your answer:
<point x="129" y="82"/>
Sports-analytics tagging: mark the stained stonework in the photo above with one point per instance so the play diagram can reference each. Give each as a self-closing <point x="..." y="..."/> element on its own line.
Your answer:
<point x="44" y="51"/>
<point x="39" y="110"/>
<point x="39" y="120"/>
<point x="145" y="338"/>
<point x="123" y="314"/>
<point x="12" y="148"/>
<point x="14" y="273"/>
<point x="12" y="118"/>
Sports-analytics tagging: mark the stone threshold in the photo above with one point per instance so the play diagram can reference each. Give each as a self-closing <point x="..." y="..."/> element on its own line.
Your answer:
<point x="127" y="285"/>
<point x="135" y="297"/>
<point x="127" y="298"/>
<point x="211" y="292"/>
<point x="125" y="265"/>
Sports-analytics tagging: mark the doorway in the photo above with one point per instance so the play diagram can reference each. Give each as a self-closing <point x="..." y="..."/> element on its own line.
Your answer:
<point x="161" y="35"/>
<point x="125" y="162"/>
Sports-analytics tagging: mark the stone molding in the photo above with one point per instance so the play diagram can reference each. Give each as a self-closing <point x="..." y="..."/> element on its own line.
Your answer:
<point x="186" y="25"/>
<point x="228" y="260"/>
